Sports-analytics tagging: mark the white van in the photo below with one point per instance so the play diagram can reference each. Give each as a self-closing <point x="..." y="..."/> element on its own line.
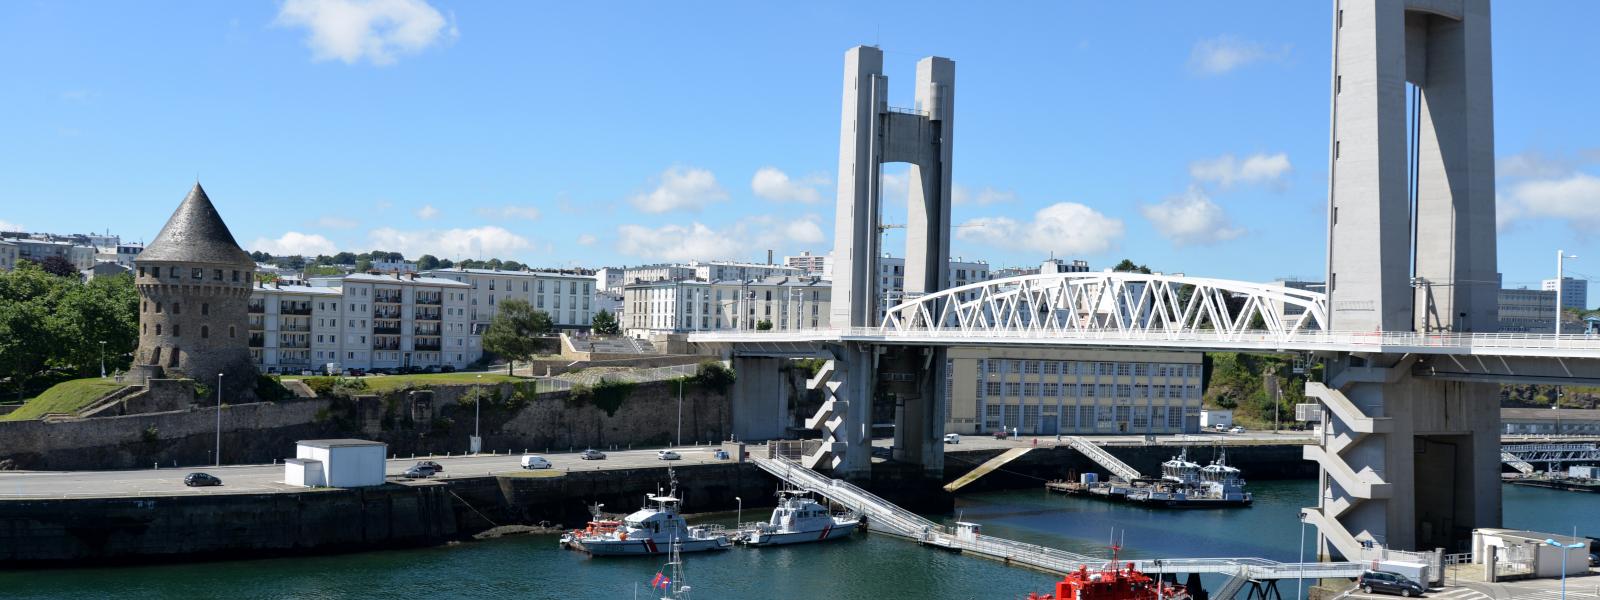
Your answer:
<point x="951" y="438"/>
<point x="530" y="461"/>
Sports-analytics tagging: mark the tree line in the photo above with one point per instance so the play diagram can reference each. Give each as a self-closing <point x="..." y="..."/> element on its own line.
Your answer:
<point x="333" y="264"/>
<point x="52" y="326"/>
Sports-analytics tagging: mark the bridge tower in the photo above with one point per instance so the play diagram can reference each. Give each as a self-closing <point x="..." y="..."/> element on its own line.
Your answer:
<point x="1408" y="462"/>
<point x="872" y="133"/>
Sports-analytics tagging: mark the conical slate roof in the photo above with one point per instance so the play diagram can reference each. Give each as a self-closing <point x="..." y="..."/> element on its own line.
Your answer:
<point x="196" y="233"/>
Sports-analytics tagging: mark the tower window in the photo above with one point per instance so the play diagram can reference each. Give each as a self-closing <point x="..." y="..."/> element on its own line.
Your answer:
<point x="141" y="271"/>
<point x="156" y="271"/>
<point x="176" y="331"/>
<point x="205" y="332"/>
<point x="205" y="308"/>
<point x="236" y="276"/>
<point x="158" y="329"/>
<point x="230" y="331"/>
<point x="197" y="273"/>
<point x="177" y="308"/>
<point x="216" y="274"/>
<point x="158" y="307"/>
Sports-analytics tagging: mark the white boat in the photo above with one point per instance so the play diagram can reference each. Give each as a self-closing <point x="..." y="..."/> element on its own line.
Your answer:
<point x="798" y="519"/>
<point x="652" y="529"/>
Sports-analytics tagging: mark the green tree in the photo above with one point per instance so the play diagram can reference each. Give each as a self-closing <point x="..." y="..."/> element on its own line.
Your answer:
<point x="764" y="325"/>
<point x="260" y="256"/>
<point x="58" y="266"/>
<point x="514" y="332"/>
<point x="1127" y="266"/>
<point x="56" y="324"/>
<point x="605" y="323"/>
<point x="106" y="309"/>
<point x="427" y="262"/>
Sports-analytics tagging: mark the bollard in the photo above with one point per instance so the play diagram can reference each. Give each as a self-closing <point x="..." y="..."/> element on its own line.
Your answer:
<point x="158" y="466"/>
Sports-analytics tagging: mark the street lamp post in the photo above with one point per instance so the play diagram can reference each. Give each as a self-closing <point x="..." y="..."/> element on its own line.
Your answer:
<point x="219" y="420"/>
<point x="738" y="516"/>
<point x="477" y="414"/>
<point x="1564" y="548"/>
<point x="680" y="410"/>
<point x="102" y="359"/>
<point x="1561" y="257"/>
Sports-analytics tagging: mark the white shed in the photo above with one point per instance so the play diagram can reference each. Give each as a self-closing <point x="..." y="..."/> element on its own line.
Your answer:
<point x="1216" y="417"/>
<point x="344" y="463"/>
<point x="1532" y="550"/>
<point x="303" y="472"/>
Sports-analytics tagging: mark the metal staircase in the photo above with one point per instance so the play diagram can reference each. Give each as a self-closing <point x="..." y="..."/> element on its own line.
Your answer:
<point x="1516" y="463"/>
<point x="1103" y="458"/>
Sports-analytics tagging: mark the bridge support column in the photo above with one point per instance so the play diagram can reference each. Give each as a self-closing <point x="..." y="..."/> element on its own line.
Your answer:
<point x="1406" y="462"/>
<point x="914" y="377"/>
<point x="760" y="404"/>
<point x="845" y="418"/>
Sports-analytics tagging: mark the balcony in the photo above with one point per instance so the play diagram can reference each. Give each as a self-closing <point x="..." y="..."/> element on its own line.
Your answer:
<point x="293" y="343"/>
<point x="385" y="313"/>
<point x="295" y="327"/>
<point x="427" y="315"/>
<point x="430" y="299"/>
<point x="255" y="341"/>
<point x="421" y="346"/>
<point x="295" y="309"/>
<point x="386" y="330"/>
<point x="256" y="309"/>
<point x="426" y="331"/>
<point x="386" y="298"/>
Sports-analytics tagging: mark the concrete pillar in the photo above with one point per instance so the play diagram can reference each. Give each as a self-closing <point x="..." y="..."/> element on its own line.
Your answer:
<point x="928" y="218"/>
<point x="919" y="405"/>
<point x="856" y="217"/>
<point x="1441" y="46"/>
<point x="759" y="408"/>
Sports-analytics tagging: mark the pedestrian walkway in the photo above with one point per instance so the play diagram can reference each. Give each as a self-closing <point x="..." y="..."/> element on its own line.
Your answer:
<point x="984" y="469"/>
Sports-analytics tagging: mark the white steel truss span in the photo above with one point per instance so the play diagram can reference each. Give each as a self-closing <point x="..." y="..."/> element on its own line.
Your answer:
<point x="1117" y="303"/>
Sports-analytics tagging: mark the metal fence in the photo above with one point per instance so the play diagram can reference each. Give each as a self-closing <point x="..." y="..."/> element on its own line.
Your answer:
<point x="562" y="383"/>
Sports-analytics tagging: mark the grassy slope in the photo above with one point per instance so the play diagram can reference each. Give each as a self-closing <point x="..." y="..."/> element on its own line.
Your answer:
<point x="64" y="397"/>
<point x="384" y="383"/>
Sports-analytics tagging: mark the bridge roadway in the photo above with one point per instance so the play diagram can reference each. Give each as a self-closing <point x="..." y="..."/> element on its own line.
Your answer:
<point x="885" y="517"/>
<point x="1369" y="342"/>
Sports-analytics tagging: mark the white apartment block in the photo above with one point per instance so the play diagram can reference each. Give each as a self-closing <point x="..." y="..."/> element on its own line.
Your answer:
<point x="689" y="305"/>
<point x="658" y="272"/>
<point x="1574" y="292"/>
<point x="8" y="255"/>
<point x="892" y="280"/>
<point x="121" y="254"/>
<point x="361" y="322"/>
<point x="726" y="270"/>
<point x="1049" y="392"/>
<point x="819" y="265"/>
<point x="608" y="279"/>
<point x="81" y="257"/>
<point x="567" y="297"/>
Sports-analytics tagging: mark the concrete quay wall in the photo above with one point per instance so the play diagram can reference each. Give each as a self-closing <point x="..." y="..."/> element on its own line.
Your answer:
<point x="99" y="531"/>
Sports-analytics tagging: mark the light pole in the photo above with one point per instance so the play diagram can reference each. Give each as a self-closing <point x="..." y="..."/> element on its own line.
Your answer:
<point x="1564" y="548"/>
<point x="738" y="517"/>
<point x="219" y="419"/>
<point x="1300" y="580"/>
<point x="680" y="410"/>
<point x="1561" y="257"/>
<point x="102" y="359"/>
<point x="477" y="414"/>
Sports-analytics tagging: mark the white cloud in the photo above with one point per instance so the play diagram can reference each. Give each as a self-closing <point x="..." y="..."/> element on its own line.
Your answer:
<point x="9" y="226"/>
<point x="1573" y="197"/>
<point x="961" y="194"/>
<point x="1531" y="164"/>
<point x="676" y="242"/>
<point x="336" y="222"/>
<point x="1225" y="170"/>
<point x="1222" y="54"/>
<point x="427" y="212"/>
<point x="512" y="211"/>
<point x="1191" y="218"/>
<point x="485" y="242"/>
<point x="805" y="232"/>
<point x="1065" y="228"/>
<point x="294" y="242"/>
<point x="375" y="30"/>
<point x="775" y="185"/>
<point x="681" y="188"/>
<point x="587" y="239"/>
<point x="896" y="186"/>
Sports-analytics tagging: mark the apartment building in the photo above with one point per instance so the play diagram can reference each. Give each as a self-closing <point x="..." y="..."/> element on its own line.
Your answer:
<point x="892" y="279"/>
<point x="568" y="297"/>
<point x="1574" y="292"/>
<point x="818" y="265"/>
<point x="361" y="321"/>
<point x="729" y="270"/>
<point x="691" y="305"/>
<point x="1053" y="391"/>
<point x="608" y="279"/>
<point x="8" y="255"/>
<point x="1054" y="265"/>
<point x="81" y="257"/>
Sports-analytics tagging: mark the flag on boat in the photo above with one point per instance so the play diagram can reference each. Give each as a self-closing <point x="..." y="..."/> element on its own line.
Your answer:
<point x="661" y="581"/>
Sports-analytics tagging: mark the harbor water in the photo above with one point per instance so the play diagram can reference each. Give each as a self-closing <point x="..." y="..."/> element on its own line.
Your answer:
<point x="864" y="567"/>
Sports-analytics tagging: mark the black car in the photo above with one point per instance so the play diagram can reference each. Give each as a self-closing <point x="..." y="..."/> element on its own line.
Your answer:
<point x="431" y="465"/>
<point x="1388" y="582"/>
<point x="447" y="369"/>
<point x="201" y="480"/>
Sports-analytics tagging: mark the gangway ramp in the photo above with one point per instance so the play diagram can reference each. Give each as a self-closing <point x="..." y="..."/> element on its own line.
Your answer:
<point x="884" y="517"/>
<point x="1103" y="458"/>
<point x="1516" y="462"/>
<point x="986" y="468"/>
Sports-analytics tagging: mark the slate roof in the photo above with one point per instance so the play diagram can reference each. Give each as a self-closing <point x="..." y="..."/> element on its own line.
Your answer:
<point x="196" y="233"/>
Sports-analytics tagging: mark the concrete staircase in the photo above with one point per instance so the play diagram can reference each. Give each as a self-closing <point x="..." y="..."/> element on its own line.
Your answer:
<point x="1354" y="426"/>
<point x="830" y="418"/>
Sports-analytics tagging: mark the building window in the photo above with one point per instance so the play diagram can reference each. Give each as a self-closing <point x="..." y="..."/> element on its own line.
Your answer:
<point x="236" y="276"/>
<point x="197" y="273"/>
<point x="230" y="331"/>
<point x="205" y="308"/>
<point x="155" y="272"/>
<point x="141" y="271"/>
<point x="205" y="332"/>
<point x="176" y="308"/>
<point x="216" y="274"/>
<point x="176" y="331"/>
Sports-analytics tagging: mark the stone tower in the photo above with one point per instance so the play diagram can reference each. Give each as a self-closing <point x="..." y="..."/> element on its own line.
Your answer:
<point x="194" y="290"/>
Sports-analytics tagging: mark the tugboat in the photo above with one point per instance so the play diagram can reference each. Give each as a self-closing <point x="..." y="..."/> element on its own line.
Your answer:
<point x="1112" y="583"/>
<point x="656" y="528"/>
<point x="798" y="519"/>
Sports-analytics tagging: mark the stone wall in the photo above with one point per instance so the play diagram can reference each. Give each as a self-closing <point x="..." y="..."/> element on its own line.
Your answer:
<point x="258" y="433"/>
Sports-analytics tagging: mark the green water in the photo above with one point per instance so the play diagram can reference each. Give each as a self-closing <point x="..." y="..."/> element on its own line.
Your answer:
<point x="865" y="567"/>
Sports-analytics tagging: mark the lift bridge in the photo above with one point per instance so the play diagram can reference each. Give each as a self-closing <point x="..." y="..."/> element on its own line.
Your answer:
<point x="1522" y="456"/>
<point x="883" y="516"/>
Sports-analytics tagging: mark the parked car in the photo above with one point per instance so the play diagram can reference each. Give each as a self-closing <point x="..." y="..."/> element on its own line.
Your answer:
<point x="447" y="369"/>
<point x="668" y="455"/>
<point x="430" y="369"/>
<point x="592" y="454"/>
<point x="418" y="472"/>
<point x="952" y="438"/>
<point x="431" y="465"/>
<point x="530" y="461"/>
<point x="1002" y="434"/>
<point x="1388" y="582"/>
<point x="1236" y="429"/>
<point x="720" y="454"/>
<point x="201" y="480"/>
<point x="357" y="372"/>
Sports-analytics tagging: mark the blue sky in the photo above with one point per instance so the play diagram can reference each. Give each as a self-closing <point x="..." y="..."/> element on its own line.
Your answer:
<point x="1188" y="136"/>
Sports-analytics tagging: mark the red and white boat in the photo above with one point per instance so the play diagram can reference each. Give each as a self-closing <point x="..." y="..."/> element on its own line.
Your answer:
<point x="798" y="519"/>
<point x="1112" y="583"/>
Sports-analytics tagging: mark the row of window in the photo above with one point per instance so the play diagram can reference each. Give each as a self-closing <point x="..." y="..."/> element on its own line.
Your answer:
<point x="1069" y="367"/>
<point x="177" y="330"/>
<point x="177" y="307"/>
<point x="197" y="274"/>
<point x="1072" y="390"/>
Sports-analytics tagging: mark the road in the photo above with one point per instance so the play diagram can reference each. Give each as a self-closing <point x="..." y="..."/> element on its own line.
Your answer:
<point x="242" y="479"/>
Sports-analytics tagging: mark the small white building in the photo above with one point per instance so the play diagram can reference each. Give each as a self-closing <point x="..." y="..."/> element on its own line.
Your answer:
<point x="341" y="463"/>
<point x="1216" y="417"/>
<point x="1533" y="550"/>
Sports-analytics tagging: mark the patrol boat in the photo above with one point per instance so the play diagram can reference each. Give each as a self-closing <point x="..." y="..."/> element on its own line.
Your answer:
<point x="798" y="519"/>
<point x="653" y="529"/>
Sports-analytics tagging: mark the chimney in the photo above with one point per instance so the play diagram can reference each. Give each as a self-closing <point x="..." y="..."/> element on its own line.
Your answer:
<point x="769" y="256"/>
